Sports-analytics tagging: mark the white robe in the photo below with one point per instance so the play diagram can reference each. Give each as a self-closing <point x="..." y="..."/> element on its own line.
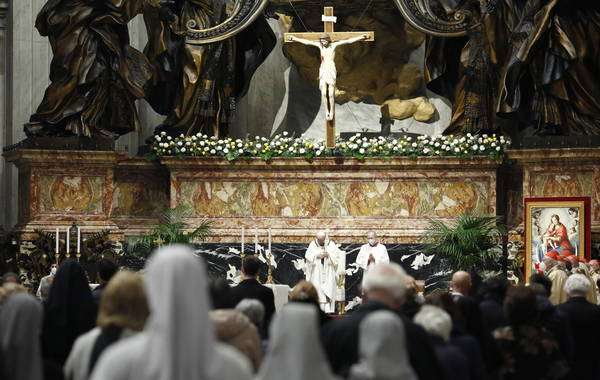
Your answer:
<point x="323" y="273"/>
<point x="379" y="252"/>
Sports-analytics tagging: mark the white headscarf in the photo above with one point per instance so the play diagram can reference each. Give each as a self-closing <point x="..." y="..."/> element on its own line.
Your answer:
<point x="295" y="351"/>
<point x="180" y="333"/>
<point x="20" y="328"/>
<point x="178" y="342"/>
<point x="382" y="349"/>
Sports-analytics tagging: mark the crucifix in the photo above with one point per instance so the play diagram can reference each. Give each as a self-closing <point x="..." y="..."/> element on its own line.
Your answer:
<point x="327" y="42"/>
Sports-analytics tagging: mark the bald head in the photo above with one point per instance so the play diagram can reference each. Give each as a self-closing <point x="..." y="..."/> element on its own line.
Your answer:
<point x="461" y="283"/>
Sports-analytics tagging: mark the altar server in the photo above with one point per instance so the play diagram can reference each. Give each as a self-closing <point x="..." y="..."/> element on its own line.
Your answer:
<point x="371" y="253"/>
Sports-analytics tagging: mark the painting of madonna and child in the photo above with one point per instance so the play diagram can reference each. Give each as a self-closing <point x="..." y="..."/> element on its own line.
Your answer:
<point x="556" y="228"/>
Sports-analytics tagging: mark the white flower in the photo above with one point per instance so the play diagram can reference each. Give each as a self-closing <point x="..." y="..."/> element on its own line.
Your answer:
<point x="212" y="151"/>
<point x="426" y="150"/>
<point x="498" y="148"/>
<point x="179" y="143"/>
<point x="169" y="138"/>
<point x="285" y="133"/>
<point x="302" y="151"/>
<point x="157" y="138"/>
<point x="414" y="145"/>
<point x="482" y="148"/>
<point x="469" y="135"/>
<point x="258" y="146"/>
<point x="225" y="150"/>
<point x="163" y="133"/>
<point x="475" y="147"/>
<point x="437" y="144"/>
<point x="182" y="150"/>
<point x="318" y="152"/>
<point x="456" y="150"/>
<point x="240" y="151"/>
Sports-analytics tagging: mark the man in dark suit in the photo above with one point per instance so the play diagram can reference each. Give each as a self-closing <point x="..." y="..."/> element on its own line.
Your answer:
<point x="384" y="289"/>
<point x="252" y="289"/>
<point x="584" y="319"/>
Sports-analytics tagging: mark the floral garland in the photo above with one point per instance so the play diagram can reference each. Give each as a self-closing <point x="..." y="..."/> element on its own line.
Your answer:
<point x="357" y="146"/>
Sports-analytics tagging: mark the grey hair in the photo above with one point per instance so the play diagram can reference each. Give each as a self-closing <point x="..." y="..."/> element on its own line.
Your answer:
<point x="435" y="321"/>
<point x="387" y="277"/>
<point x="577" y="285"/>
<point x="253" y="309"/>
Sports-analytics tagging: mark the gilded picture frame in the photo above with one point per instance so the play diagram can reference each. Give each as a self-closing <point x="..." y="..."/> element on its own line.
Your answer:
<point x="557" y="227"/>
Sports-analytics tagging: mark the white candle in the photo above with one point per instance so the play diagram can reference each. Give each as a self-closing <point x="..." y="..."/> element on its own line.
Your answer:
<point x="68" y="240"/>
<point x="78" y="240"/>
<point x="255" y="240"/>
<point x="242" y="240"/>
<point x="56" y="250"/>
<point x="270" y="241"/>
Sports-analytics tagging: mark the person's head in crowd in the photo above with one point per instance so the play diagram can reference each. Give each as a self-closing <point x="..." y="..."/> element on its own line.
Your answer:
<point x="304" y="291"/>
<point x="235" y="329"/>
<point x="577" y="285"/>
<point x="124" y="302"/>
<point x="574" y="261"/>
<point x="495" y="288"/>
<point x="10" y="277"/>
<point x="382" y="349"/>
<point x="253" y="309"/>
<point x="106" y="270"/>
<point x="220" y="294"/>
<point x="20" y="352"/>
<point x="295" y="349"/>
<point x="13" y="287"/>
<point x="520" y="306"/>
<point x="461" y="283"/>
<point x="435" y="321"/>
<point x="385" y="283"/>
<point x="443" y="299"/>
<point x="250" y="267"/>
<point x="543" y="281"/>
<point x="594" y="265"/>
<point x="549" y="263"/>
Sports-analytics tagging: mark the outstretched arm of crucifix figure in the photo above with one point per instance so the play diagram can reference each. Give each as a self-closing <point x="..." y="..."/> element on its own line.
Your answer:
<point x="304" y="42"/>
<point x="350" y="40"/>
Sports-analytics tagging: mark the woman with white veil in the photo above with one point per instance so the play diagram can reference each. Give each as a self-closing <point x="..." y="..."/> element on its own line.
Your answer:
<point x="295" y="351"/>
<point x="382" y="349"/>
<point x="178" y="342"/>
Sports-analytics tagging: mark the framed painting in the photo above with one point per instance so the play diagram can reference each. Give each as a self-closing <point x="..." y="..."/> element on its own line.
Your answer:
<point x="557" y="227"/>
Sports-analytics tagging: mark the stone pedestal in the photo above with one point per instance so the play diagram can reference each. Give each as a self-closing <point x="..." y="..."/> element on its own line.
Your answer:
<point x="295" y="198"/>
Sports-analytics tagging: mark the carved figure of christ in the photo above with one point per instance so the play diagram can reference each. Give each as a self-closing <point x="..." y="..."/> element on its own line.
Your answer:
<point x="327" y="70"/>
<point x="327" y="42"/>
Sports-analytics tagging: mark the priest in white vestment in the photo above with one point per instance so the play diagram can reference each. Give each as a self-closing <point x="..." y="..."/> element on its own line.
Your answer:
<point x="324" y="261"/>
<point x="371" y="253"/>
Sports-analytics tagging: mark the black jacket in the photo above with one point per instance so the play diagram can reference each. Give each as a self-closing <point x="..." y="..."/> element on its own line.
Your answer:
<point x="340" y="338"/>
<point x="252" y="289"/>
<point x="584" y="319"/>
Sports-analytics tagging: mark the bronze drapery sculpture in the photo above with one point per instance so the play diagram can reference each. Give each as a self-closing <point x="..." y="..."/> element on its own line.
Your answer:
<point x="95" y="74"/>
<point x="553" y="76"/>
<point x="533" y="61"/>
<point x="196" y="85"/>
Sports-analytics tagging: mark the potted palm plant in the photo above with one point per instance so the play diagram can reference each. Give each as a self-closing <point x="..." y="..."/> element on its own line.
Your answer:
<point x="470" y="242"/>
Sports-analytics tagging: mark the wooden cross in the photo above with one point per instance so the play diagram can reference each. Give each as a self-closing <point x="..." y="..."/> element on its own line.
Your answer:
<point x="328" y="25"/>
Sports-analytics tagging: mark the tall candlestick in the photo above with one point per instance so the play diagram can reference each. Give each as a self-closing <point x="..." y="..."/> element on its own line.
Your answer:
<point x="78" y="240"/>
<point x="255" y="241"/>
<point x="269" y="242"/>
<point x="243" y="237"/>
<point x="68" y="238"/>
<point x="56" y="250"/>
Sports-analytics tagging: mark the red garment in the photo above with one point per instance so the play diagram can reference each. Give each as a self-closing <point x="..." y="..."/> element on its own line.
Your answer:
<point x="564" y="247"/>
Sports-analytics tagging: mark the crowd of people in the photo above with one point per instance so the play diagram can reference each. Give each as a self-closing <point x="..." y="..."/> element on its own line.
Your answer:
<point x="172" y="323"/>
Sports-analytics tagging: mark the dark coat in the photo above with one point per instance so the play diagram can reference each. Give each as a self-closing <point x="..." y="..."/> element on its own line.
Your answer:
<point x="453" y="361"/>
<point x="252" y="289"/>
<point x="340" y="338"/>
<point x="584" y="321"/>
